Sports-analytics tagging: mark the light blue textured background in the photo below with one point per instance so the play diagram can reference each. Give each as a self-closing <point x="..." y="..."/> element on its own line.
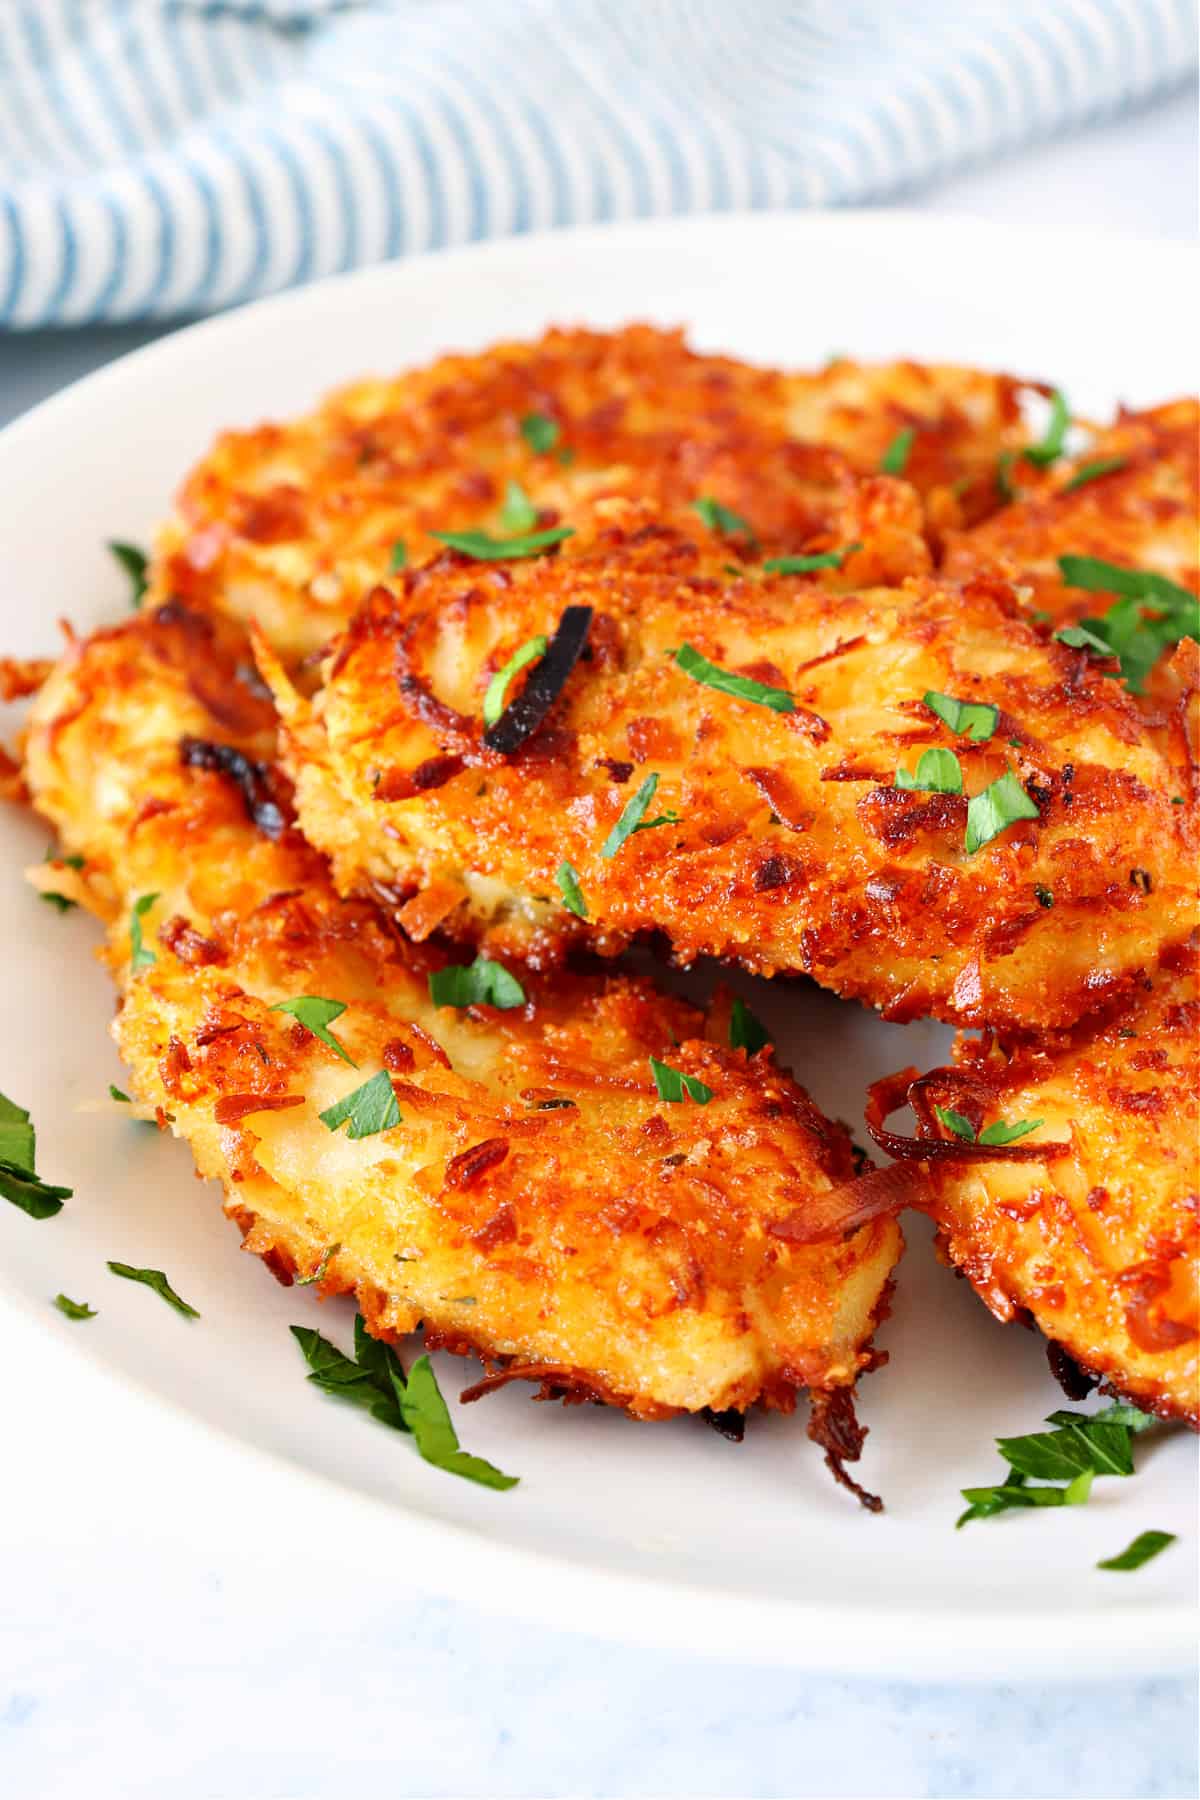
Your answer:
<point x="138" y="1668"/>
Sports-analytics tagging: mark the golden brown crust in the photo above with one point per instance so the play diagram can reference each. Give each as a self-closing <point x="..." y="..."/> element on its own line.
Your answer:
<point x="1099" y="1245"/>
<point x="1143" y="515"/>
<point x="293" y="524"/>
<point x="537" y="1202"/>
<point x="792" y="850"/>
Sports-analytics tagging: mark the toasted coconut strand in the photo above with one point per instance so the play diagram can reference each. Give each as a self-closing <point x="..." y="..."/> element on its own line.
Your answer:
<point x="833" y="1424"/>
<point x="21" y="676"/>
<point x="876" y="1194"/>
<point x="614" y="1248"/>
<point x="1099" y="1243"/>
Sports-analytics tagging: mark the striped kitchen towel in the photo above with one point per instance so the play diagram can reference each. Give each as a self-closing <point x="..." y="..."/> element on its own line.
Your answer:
<point x="160" y="157"/>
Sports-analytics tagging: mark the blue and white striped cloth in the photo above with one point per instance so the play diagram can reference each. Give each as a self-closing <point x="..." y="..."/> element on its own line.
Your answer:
<point x="171" y="156"/>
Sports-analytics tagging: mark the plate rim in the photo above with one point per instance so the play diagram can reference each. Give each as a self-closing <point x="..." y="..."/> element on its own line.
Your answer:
<point x="532" y="1583"/>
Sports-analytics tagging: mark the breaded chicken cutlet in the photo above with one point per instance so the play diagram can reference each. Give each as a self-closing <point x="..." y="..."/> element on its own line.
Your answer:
<point x="909" y="794"/>
<point x="516" y="1175"/>
<point x="1090" y="1225"/>
<point x="292" y="525"/>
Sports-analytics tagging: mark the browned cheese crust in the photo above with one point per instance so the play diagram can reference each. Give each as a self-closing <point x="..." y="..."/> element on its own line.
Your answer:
<point x="792" y="849"/>
<point x="538" y="1202"/>
<point x="1145" y="514"/>
<point x="293" y="524"/>
<point x="1097" y="1242"/>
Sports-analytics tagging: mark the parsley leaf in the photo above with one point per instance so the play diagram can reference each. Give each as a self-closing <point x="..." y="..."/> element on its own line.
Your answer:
<point x="745" y="1031"/>
<point x="116" y="1093"/>
<point x="497" y="687"/>
<point x="999" y="1133"/>
<point x="376" y="1382"/>
<point x="60" y="902"/>
<point x="428" y="1418"/>
<point x="633" y="818"/>
<point x="1051" y="446"/>
<point x="1004" y="485"/>
<point x="722" y="520"/>
<point x="1150" y="615"/>
<point x="968" y="718"/>
<point x="18" y="1141"/>
<point x="399" y="557"/>
<point x="139" y="956"/>
<point x="673" y="1084"/>
<point x="327" y="1256"/>
<point x="1118" y="1413"/>
<point x="484" y="548"/>
<point x="572" y="893"/>
<point x="317" y="1015"/>
<point x="154" y="1278"/>
<point x="1000" y="805"/>
<point x="481" y="983"/>
<point x="1146" y="1545"/>
<point x="894" y="460"/>
<point x="938" y="772"/>
<point x="1078" y="637"/>
<point x="1090" y="471"/>
<point x="134" y="562"/>
<point x="18" y="1182"/>
<point x="1085" y="1445"/>
<point x="366" y="1383"/>
<point x="73" y="1309"/>
<point x="519" y="514"/>
<point x="708" y="674"/>
<point x="370" y="1108"/>
<point x="802" y="565"/>
<point x="540" y="432"/>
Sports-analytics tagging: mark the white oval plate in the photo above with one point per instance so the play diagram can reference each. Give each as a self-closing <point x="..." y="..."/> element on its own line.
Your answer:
<point x="662" y="1533"/>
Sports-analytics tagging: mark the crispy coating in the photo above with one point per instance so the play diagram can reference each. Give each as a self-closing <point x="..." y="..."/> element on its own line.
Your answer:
<point x="1099" y="1245"/>
<point x="292" y="525"/>
<point x="1143" y="515"/>
<point x="791" y="849"/>
<point x="537" y="1202"/>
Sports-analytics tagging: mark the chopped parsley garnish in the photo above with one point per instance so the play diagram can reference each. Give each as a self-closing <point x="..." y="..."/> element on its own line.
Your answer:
<point x="722" y="520"/>
<point x="999" y="1133"/>
<point x="1151" y="614"/>
<point x="60" y="902"/>
<point x="1083" y="1447"/>
<point x="938" y="772"/>
<point x="322" y="1268"/>
<point x="154" y="1278"/>
<point x="18" y="1182"/>
<point x="139" y="956"/>
<point x="1000" y="805"/>
<point x="399" y="557"/>
<point x="1078" y="637"/>
<point x="317" y="1015"/>
<point x="519" y="514"/>
<point x="481" y="983"/>
<point x="894" y="460"/>
<point x="1144" y="1547"/>
<point x="1091" y="471"/>
<point x="803" y="565"/>
<point x="1050" y="447"/>
<point x="740" y="686"/>
<point x="572" y="893"/>
<point x="484" y="548"/>
<point x="497" y="687"/>
<point x="116" y="1093"/>
<point x="540" y="433"/>
<point x="135" y="563"/>
<point x="968" y="718"/>
<point x="428" y="1418"/>
<point x="369" y="1109"/>
<point x="745" y="1031"/>
<point x="1004" y="486"/>
<point x="633" y="818"/>
<point x="73" y="1309"/>
<point x="375" y="1380"/>
<point x="673" y="1084"/>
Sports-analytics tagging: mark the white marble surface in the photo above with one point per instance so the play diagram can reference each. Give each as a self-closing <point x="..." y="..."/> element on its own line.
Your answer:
<point x="156" y="1637"/>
